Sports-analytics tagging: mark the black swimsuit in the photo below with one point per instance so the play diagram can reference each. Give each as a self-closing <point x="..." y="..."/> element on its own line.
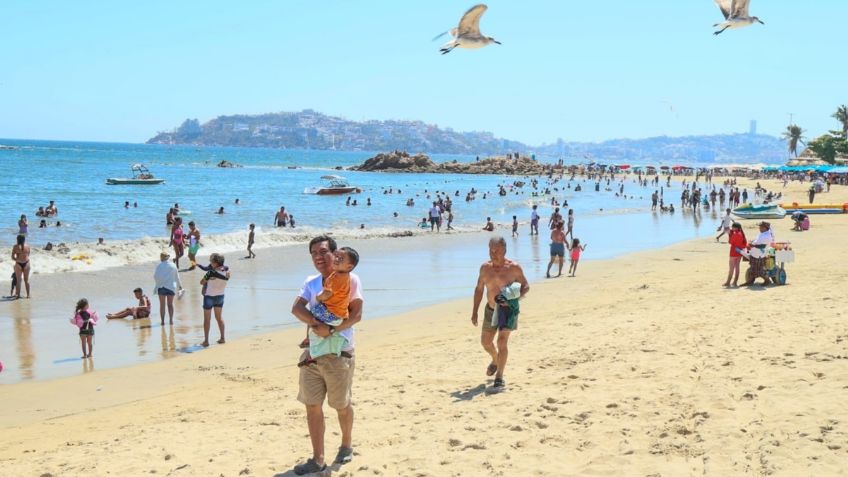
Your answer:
<point x="23" y="265"/>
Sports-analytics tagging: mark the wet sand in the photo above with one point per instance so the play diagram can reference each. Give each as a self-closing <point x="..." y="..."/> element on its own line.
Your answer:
<point x="641" y="365"/>
<point x="399" y="274"/>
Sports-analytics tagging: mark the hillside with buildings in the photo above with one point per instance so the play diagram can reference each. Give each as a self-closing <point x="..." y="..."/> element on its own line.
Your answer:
<point x="309" y="129"/>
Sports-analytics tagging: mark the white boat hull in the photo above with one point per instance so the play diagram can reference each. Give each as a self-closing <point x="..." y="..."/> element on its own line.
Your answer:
<point x="759" y="212"/>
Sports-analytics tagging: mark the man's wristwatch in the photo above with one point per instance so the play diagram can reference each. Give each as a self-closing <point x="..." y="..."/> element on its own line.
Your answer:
<point x="332" y="328"/>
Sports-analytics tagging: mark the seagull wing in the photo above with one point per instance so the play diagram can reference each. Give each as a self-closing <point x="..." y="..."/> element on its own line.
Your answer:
<point x="451" y="32"/>
<point x="470" y="22"/>
<point x="740" y="9"/>
<point x="725" y="6"/>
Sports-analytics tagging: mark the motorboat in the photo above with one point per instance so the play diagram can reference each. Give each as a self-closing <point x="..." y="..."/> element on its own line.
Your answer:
<point x="759" y="211"/>
<point x="140" y="176"/>
<point x="333" y="185"/>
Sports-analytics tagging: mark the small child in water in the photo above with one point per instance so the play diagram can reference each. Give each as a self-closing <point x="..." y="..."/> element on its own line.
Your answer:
<point x="85" y="321"/>
<point x="575" y="250"/>
<point x="332" y="307"/>
<point x="514" y="226"/>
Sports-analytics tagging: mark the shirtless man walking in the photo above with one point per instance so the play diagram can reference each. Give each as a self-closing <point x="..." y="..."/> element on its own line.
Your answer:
<point x="496" y="274"/>
<point x="281" y="217"/>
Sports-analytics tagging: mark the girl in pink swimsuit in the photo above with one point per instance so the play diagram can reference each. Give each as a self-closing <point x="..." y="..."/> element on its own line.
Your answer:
<point x="177" y="240"/>
<point x="575" y="249"/>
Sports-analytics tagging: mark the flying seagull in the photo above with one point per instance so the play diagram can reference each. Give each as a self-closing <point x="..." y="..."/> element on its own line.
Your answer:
<point x="467" y="34"/>
<point x="735" y="14"/>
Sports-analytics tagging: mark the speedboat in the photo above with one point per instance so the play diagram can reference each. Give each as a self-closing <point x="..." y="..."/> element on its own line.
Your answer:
<point x="759" y="211"/>
<point x="141" y="176"/>
<point x="333" y="185"/>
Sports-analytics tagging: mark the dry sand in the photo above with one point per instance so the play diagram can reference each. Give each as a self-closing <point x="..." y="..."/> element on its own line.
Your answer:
<point x="643" y="365"/>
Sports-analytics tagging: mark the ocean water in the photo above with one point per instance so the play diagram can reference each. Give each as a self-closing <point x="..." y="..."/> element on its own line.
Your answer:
<point x="73" y="174"/>
<point x="398" y="273"/>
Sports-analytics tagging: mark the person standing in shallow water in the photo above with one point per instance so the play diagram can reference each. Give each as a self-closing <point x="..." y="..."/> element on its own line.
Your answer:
<point x="214" y="283"/>
<point x="557" y="249"/>
<point x="177" y="240"/>
<point x="20" y="255"/>
<point x="495" y="275"/>
<point x="167" y="286"/>
<point x="193" y="244"/>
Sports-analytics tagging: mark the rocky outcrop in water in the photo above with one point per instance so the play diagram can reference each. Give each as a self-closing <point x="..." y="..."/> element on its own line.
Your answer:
<point x="401" y="161"/>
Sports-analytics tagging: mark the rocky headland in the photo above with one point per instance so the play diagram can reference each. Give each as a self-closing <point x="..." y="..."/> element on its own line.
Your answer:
<point x="401" y="161"/>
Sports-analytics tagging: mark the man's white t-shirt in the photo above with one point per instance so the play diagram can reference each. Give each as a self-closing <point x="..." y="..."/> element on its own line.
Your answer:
<point x="315" y="284"/>
<point x="435" y="212"/>
<point x="726" y="221"/>
<point x="534" y="216"/>
<point x="764" y="238"/>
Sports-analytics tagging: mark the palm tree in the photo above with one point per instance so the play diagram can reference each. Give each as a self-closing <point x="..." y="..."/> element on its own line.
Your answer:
<point x="841" y="115"/>
<point x="794" y="134"/>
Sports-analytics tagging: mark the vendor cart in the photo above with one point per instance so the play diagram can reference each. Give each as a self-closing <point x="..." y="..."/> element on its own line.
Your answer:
<point x="769" y="263"/>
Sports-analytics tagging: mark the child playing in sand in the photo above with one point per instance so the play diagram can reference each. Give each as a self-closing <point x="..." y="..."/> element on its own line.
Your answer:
<point x="85" y="321"/>
<point x="332" y="307"/>
<point x="575" y="250"/>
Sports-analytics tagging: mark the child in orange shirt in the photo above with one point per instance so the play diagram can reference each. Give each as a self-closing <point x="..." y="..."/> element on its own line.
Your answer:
<point x="333" y="303"/>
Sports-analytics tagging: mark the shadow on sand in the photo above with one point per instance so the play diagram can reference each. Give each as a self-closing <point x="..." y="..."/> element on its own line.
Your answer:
<point x="468" y="394"/>
<point x="326" y="473"/>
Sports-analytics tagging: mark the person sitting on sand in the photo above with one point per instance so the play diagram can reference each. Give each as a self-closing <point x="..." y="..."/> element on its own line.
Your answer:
<point x="142" y="310"/>
<point x="802" y="221"/>
<point x="489" y="227"/>
<point x="332" y="307"/>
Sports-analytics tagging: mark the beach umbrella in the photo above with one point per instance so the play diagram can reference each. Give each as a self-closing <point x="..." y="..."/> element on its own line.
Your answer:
<point x="665" y="168"/>
<point x="624" y="166"/>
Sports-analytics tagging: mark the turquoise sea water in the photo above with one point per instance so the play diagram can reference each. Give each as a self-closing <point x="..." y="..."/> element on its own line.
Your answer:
<point x="73" y="174"/>
<point x="398" y="274"/>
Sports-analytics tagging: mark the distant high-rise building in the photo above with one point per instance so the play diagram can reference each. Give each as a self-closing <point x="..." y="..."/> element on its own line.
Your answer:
<point x="752" y="129"/>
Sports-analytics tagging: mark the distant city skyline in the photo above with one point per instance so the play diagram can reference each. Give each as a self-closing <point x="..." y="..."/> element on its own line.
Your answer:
<point x="121" y="72"/>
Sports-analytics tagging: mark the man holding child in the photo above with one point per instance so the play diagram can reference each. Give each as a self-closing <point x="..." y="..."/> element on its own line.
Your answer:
<point x="326" y="375"/>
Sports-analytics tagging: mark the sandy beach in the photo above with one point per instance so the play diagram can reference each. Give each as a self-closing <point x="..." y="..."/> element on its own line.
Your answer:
<point x="641" y="365"/>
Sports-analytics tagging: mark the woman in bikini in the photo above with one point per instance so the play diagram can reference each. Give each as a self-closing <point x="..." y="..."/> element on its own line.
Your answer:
<point x="177" y="240"/>
<point x="20" y="255"/>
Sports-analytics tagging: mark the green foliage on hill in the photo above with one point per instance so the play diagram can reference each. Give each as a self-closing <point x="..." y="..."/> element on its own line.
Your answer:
<point x="312" y="130"/>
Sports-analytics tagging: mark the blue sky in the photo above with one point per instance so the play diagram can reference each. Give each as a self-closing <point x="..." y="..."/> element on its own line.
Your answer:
<point x="585" y="71"/>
